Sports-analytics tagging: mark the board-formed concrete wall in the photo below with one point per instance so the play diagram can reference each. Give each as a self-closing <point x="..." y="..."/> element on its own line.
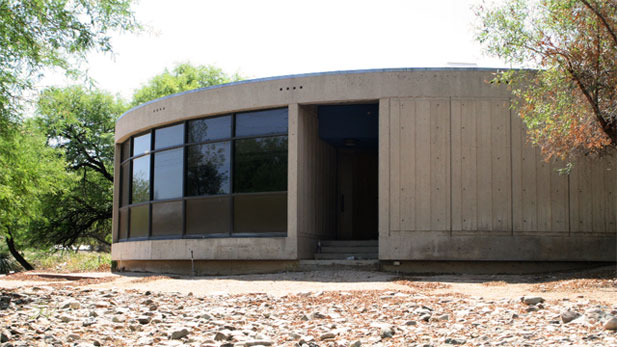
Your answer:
<point x="457" y="178"/>
<point x="465" y="184"/>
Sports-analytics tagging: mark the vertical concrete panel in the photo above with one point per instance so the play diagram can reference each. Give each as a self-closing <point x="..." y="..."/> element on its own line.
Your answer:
<point x="293" y="172"/>
<point x="599" y="201"/>
<point x="469" y="159"/>
<point x="440" y="164"/>
<point x="484" y="164"/>
<point x="543" y="193"/>
<point x="395" y="162"/>
<point x="501" y="166"/>
<point x="609" y="196"/>
<point x="529" y="186"/>
<point x="384" y="176"/>
<point x="559" y="199"/>
<point x="407" y="112"/>
<point x="581" y="204"/>
<point x="423" y="164"/>
<point x="517" y="171"/>
<point x="457" y="163"/>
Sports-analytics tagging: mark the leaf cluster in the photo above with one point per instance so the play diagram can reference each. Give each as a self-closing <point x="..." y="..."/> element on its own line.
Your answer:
<point x="569" y="104"/>
<point x="181" y="78"/>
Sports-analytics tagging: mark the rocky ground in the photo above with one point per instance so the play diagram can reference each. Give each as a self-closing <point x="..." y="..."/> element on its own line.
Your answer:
<point x="417" y="313"/>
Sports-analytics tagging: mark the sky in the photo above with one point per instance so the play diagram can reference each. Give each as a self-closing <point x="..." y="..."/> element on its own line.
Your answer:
<point x="273" y="38"/>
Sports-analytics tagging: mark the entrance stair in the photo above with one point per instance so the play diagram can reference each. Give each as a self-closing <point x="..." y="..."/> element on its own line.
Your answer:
<point x="348" y="250"/>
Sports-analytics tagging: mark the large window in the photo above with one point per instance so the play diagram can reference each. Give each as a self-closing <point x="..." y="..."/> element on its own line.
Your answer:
<point x="214" y="177"/>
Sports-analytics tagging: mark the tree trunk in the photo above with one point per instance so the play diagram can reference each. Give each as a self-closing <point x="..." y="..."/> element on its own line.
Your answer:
<point x="11" y="244"/>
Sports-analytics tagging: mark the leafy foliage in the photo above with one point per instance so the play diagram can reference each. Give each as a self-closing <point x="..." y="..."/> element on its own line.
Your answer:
<point x="52" y="33"/>
<point x="569" y="105"/>
<point x="81" y="123"/>
<point x="183" y="77"/>
<point x="30" y="170"/>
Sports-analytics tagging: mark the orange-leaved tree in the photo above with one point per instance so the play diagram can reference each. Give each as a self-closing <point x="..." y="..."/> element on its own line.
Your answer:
<point x="566" y="89"/>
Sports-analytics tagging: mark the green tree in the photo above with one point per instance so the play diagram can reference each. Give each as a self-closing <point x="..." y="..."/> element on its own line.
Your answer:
<point x="81" y="123"/>
<point x="39" y="34"/>
<point x="30" y="170"/>
<point x="569" y="104"/>
<point x="183" y="77"/>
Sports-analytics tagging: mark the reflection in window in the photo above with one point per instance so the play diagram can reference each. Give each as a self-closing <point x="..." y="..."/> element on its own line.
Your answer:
<point x="208" y="169"/>
<point x="126" y="150"/>
<point x="169" y="136"/>
<point x="124" y="184"/>
<point x="139" y="221"/>
<point x="261" y="122"/>
<point x="141" y="144"/>
<point x="168" y="174"/>
<point x="260" y="213"/>
<point x="260" y="165"/>
<point x="140" y="184"/>
<point x="208" y="129"/>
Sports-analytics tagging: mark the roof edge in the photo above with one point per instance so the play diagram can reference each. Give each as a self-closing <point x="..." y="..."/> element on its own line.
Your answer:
<point x="312" y="74"/>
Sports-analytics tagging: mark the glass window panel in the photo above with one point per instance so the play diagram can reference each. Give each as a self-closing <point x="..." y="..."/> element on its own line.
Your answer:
<point x="208" y="216"/>
<point x="141" y="144"/>
<point x="168" y="174"/>
<point x="140" y="184"/>
<point x="126" y="150"/>
<point x="169" y="136"/>
<point x="261" y="122"/>
<point x="167" y="218"/>
<point x="209" y="129"/>
<point x="123" y="226"/>
<point x="260" y="164"/>
<point x="124" y="184"/>
<point x="139" y="221"/>
<point x="208" y="168"/>
<point x="260" y="213"/>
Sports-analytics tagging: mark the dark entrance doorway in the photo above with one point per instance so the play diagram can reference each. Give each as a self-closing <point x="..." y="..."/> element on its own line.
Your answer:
<point x="353" y="131"/>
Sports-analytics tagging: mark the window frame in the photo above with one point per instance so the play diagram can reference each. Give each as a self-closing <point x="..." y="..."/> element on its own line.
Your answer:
<point x="184" y="197"/>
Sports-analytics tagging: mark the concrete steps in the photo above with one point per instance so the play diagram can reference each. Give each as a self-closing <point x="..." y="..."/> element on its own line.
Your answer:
<point x="348" y="250"/>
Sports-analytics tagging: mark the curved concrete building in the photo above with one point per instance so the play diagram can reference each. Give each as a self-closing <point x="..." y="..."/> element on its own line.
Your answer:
<point x="415" y="167"/>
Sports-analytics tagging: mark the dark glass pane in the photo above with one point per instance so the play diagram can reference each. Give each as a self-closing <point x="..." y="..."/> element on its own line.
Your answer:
<point x="126" y="150"/>
<point x="260" y="165"/>
<point x="260" y="213"/>
<point x="169" y="136"/>
<point x="141" y="144"/>
<point x="208" y="216"/>
<point x="208" y="169"/>
<point x="124" y="184"/>
<point x="261" y="122"/>
<point x="123" y="226"/>
<point x="141" y="180"/>
<point x="167" y="218"/>
<point x="168" y="174"/>
<point x="139" y="221"/>
<point x="208" y="129"/>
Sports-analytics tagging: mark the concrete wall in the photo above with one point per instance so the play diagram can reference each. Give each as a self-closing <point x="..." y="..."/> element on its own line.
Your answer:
<point x="316" y="180"/>
<point x="460" y="181"/>
<point x="457" y="178"/>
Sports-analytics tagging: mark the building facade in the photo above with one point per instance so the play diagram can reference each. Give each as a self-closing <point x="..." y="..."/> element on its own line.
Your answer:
<point x="431" y="163"/>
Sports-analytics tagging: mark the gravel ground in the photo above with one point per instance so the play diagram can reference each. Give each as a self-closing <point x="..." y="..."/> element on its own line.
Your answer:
<point x="327" y="308"/>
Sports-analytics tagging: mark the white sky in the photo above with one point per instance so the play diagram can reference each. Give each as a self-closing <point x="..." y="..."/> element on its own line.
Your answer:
<point x="271" y="38"/>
